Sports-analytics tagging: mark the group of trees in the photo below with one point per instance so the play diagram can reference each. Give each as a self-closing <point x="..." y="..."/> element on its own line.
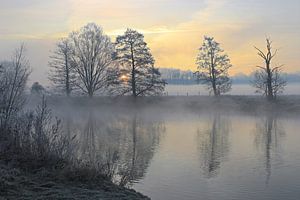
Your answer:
<point x="213" y="65"/>
<point x="87" y="60"/>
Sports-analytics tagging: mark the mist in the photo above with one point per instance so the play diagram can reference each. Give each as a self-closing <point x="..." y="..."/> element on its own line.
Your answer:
<point x="87" y="111"/>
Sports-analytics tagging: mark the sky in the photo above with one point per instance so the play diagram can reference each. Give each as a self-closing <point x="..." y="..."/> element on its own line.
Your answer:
<point x="173" y="29"/>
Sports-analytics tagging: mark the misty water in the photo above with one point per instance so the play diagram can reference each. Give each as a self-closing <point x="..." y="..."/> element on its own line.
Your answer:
<point x="237" y="89"/>
<point x="179" y="154"/>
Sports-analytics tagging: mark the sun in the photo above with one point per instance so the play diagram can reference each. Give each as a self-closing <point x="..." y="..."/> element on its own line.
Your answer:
<point x="124" y="78"/>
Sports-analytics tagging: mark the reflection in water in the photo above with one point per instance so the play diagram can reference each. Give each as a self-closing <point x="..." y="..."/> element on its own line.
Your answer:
<point x="268" y="134"/>
<point x="88" y="142"/>
<point x="138" y="149"/>
<point x="122" y="146"/>
<point x="213" y="145"/>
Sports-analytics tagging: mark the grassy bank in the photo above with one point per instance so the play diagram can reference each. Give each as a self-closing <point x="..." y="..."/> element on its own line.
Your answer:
<point x="37" y="161"/>
<point x="43" y="184"/>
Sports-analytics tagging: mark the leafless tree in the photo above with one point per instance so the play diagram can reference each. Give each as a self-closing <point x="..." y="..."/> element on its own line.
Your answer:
<point x="91" y="57"/>
<point x="268" y="80"/>
<point x="14" y="75"/>
<point x="136" y="74"/>
<point x="62" y="75"/>
<point x="213" y="67"/>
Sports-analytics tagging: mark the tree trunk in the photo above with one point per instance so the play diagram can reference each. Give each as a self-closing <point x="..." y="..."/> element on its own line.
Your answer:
<point x="270" y="95"/>
<point x="213" y="81"/>
<point x="67" y="76"/>
<point x="133" y="82"/>
<point x="215" y="87"/>
<point x="91" y="93"/>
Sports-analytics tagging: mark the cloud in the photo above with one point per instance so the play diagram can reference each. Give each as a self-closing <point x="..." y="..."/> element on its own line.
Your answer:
<point x="237" y="33"/>
<point x="173" y="29"/>
<point x="32" y="18"/>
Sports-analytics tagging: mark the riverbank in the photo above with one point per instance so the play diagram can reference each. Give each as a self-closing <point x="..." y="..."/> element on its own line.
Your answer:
<point x="43" y="185"/>
<point x="39" y="161"/>
<point x="32" y="179"/>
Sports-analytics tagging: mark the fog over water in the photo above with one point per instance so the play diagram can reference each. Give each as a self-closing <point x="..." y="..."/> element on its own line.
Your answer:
<point x="237" y="89"/>
<point x="183" y="154"/>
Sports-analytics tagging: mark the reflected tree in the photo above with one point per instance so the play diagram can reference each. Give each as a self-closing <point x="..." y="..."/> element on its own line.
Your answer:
<point x="141" y="141"/>
<point x="268" y="134"/>
<point x="88" y="147"/>
<point x="213" y="145"/>
<point x="119" y="145"/>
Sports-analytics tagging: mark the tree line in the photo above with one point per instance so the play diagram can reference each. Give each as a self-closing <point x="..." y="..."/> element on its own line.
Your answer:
<point x="213" y="65"/>
<point x="87" y="60"/>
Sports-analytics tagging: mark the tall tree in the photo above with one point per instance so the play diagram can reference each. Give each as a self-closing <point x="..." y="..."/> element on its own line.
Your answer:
<point x="62" y="74"/>
<point x="13" y="78"/>
<point x="136" y="74"/>
<point x="268" y="80"/>
<point x="213" y="65"/>
<point x="91" y="58"/>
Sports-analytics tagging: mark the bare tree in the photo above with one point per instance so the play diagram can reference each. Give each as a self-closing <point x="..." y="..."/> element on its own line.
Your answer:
<point x="62" y="74"/>
<point x="136" y="74"/>
<point x="14" y="75"/>
<point x="91" y="57"/>
<point x="213" y="67"/>
<point x="268" y="80"/>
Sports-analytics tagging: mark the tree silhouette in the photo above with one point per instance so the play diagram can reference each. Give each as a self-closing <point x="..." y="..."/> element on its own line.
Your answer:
<point x="268" y="80"/>
<point x="91" y="57"/>
<point x="213" y="67"/>
<point x="62" y="75"/>
<point x="136" y="74"/>
<point x="13" y="78"/>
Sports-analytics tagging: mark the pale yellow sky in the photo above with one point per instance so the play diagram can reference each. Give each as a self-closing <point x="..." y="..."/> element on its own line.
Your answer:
<point x="173" y="29"/>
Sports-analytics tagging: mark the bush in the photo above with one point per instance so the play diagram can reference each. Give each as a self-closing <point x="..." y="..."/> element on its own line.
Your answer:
<point x="35" y="140"/>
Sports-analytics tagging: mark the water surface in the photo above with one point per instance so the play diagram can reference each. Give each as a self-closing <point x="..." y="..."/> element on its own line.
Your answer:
<point x="237" y="89"/>
<point x="190" y="155"/>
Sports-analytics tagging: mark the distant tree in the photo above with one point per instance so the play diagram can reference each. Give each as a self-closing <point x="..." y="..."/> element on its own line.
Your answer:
<point x="13" y="78"/>
<point x="136" y="74"/>
<point x="37" y="89"/>
<point x="213" y="67"/>
<point x="268" y="80"/>
<point x="91" y="57"/>
<point x="62" y="75"/>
